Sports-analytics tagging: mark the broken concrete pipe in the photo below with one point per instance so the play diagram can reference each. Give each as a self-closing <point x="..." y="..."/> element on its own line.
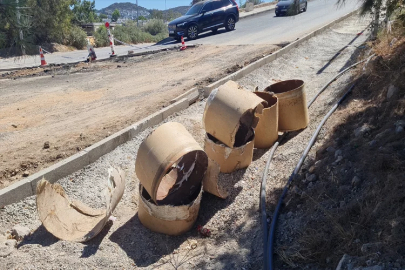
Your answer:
<point x="292" y="104"/>
<point x="72" y="220"/>
<point x="231" y="114"/>
<point x="167" y="219"/>
<point x="229" y="159"/>
<point x="211" y="182"/>
<point x="170" y="164"/>
<point x="266" y="131"/>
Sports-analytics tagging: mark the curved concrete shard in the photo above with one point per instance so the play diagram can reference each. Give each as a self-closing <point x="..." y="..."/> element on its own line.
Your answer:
<point x="72" y="220"/>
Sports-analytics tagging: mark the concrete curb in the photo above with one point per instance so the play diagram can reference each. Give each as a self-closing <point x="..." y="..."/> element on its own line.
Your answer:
<point x="267" y="59"/>
<point x="27" y="186"/>
<point x="257" y="13"/>
<point x="192" y="95"/>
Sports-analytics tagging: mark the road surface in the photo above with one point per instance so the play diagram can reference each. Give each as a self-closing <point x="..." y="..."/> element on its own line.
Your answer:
<point x="263" y="28"/>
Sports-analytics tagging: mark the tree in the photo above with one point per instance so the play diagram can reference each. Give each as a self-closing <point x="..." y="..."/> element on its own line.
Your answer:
<point x="115" y="15"/>
<point x="15" y="25"/>
<point x="84" y="12"/>
<point x="376" y="7"/>
<point x="52" y="20"/>
<point x="156" y="14"/>
<point x="142" y="18"/>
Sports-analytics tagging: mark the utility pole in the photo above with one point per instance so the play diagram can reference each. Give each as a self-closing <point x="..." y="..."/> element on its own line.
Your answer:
<point x="19" y="26"/>
<point x="137" y="14"/>
<point x="165" y="12"/>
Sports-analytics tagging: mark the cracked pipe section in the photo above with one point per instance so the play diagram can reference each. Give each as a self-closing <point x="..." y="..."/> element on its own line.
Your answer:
<point x="292" y="104"/>
<point x="171" y="165"/>
<point x="266" y="132"/>
<point x="72" y="220"/>
<point x="229" y="159"/>
<point x="167" y="219"/>
<point x="230" y="116"/>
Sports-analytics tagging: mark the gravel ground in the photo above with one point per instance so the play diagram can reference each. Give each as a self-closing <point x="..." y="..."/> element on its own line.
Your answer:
<point x="236" y="240"/>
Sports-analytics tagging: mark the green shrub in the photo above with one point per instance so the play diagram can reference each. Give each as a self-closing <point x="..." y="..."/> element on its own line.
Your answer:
<point x="155" y="27"/>
<point x="128" y="33"/>
<point x="101" y="37"/>
<point x="77" y="37"/>
<point x="3" y="40"/>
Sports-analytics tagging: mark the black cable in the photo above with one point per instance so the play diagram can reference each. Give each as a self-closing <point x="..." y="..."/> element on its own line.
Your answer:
<point x="270" y="241"/>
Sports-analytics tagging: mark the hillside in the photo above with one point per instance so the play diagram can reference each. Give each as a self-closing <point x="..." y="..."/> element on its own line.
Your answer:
<point x="127" y="10"/>
<point x="182" y="9"/>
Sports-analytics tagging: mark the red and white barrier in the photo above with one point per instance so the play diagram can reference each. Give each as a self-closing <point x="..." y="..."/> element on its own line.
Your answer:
<point x="110" y="38"/>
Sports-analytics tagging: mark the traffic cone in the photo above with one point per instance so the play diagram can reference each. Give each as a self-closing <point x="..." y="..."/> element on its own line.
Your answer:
<point x="43" y="62"/>
<point x="183" y="45"/>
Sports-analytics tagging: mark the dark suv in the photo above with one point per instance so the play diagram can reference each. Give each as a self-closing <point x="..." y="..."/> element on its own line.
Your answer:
<point x="205" y="16"/>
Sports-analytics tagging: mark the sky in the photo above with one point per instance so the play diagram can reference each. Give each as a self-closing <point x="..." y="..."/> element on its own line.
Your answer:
<point x="149" y="4"/>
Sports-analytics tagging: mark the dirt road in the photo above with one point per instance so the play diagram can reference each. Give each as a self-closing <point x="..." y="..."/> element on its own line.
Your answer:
<point x="74" y="107"/>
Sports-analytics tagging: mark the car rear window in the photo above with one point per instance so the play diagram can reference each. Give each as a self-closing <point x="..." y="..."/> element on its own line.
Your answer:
<point x="195" y="9"/>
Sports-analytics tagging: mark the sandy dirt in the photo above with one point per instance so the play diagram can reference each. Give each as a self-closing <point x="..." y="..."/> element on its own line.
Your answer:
<point x="73" y="107"/>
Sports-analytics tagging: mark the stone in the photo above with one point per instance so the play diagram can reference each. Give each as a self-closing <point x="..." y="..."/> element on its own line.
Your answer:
<point x="311" y="178"/>
<point x="400" y="123"/>
<point x="391" y="91"/>
<point x="371" y="247"/>
<point x="345" y="263"/>
<point x="193" y="244"/>
<point x="342" y="204"/>
<point x="19" y="232"/>
<point x="361" y="130"/>
<point x="14" y="125"/>
<point x="338" y="153"/>
<point x="356" y="181"/>
<point x="339" y="159"/>
<point x="373" y="143"/>
<point x="7" y="246"/>
<point x="330" y="149"/>
<point x="46" y="145"/>
<point x="312" y="169"/>
<point x="399" y="129"/>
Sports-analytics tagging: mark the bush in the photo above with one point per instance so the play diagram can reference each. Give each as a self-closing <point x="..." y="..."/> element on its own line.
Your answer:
<point x="77" y="37"/>
<point x="128" y="33"/>
<point x="101" y="37"/>
<point x="155" y="27"/>
<point x="3" y="40"/>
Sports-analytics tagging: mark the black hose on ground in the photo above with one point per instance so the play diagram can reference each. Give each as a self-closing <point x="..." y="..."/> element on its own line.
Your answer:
<point x="266" y="254"/>
<point x="270" y="242"/>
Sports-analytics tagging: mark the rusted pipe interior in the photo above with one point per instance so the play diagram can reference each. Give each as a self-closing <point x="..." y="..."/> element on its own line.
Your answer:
<point x="248" y="133"/>
<point x="185" y="201"/>
<point x="284" y="86"/>
<point x="182" y="179"/>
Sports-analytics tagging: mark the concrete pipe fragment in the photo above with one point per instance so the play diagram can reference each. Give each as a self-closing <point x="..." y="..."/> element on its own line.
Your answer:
<point x="292" y="104"/>
<point x="211" y="180"/>
<point x="230" y="114"/>
<point x="167" y="219"/>
<point x="72" y="220"/>
<point x="229" y="159"/>
<point x="170" y="164"/>
<point x="266" y="132"/>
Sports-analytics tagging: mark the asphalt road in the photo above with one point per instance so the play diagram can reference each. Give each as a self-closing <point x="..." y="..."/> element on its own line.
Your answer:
<point x="266" y="28"/>
<point x="263" y="28"/>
